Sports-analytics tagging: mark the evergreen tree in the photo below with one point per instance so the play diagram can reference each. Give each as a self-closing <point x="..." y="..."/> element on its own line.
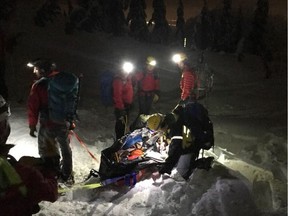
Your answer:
<point x="161" y="29"/>
<point x="214" y="30"/>
<point x="258" y="44"/>
<point x="118" y="20"/>
<point x="180" y="34"/>
<point x="6" y="43"/>
<point x="137" y="19"/>
<point x="86" y="16"/>
<point x="203" y="28"/>
<point x="238" y="35"/>
<point x="259" y="27"/>
<point x="225" y="28"/>
<point x="47" y="13"/>
<point x="6" y="9"/>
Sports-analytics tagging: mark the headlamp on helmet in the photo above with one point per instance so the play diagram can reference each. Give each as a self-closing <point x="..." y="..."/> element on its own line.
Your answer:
<point x="179" y="57"/>
<point x="151" y="61"/>
<point x="43" y="65"/>
<point x="127" y="67"/>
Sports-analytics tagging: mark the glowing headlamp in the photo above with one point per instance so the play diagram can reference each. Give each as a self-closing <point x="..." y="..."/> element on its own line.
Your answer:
<point x="176" y="58"/>
<point x="127" y="67"/>
<point x="30" y="64"/>
<point x="152" y="63"/>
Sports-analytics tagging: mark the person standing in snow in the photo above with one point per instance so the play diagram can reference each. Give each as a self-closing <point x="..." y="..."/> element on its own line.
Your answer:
<point x="122" y="97"/>
<point x="50" y="132"/>
<point x="148" y="86"/>
<point x="188" y="78"/>
<point x="187" y="135"/>
<point x="22" y="187"/>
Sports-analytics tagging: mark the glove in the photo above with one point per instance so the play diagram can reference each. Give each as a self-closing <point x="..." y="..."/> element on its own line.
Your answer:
<point x="183" y="102"/>
<point x="71" y="125"/>
<point x="33" y="130"/>
<point x="155" y="98"/>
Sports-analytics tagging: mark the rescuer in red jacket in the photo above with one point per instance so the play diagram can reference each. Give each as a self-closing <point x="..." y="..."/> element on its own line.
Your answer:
<point x="148" y="86"/>
<point x="188" y="78"/>
<point x="22" y="187"/>
<point x="123" y="98"/>
<point x="53" y="136"/>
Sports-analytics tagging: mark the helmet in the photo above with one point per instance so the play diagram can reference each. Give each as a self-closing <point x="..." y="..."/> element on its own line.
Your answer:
<point x="151" y="61"/>
<point x="179" y="57"/>
<point x="45" y="66"/>
<point x="154" y="121"/>
<point x="4" y="126"/>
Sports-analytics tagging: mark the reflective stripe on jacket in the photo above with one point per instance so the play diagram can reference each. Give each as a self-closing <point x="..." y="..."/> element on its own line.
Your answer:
<point x="11" y="176"/>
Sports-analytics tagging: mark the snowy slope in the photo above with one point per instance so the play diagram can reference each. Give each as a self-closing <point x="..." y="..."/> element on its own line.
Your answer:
<point x="248" y="111"/>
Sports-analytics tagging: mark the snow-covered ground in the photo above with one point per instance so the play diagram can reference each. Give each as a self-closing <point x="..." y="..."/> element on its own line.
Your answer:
<point x="249" y="113"/>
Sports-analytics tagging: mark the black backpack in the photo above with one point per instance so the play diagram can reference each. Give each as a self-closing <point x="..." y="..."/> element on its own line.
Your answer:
<point x="201" y="126"/>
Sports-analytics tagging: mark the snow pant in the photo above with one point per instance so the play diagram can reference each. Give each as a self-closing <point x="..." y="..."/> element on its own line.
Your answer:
<point x="121" y="125"/>
<point x="49" y="140"/>
<point x="175" y="153"/>
<point x="145" y="102"/>
<point x="183" y="164"/>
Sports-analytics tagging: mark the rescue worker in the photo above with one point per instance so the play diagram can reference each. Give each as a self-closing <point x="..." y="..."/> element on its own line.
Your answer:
<point x="22" y="187"/>
<point x="148" y="86"/>
<point x="50" y="132"/>
<point x="188" y="78"/>
<point x="122" y="97"/>
<point x="186" y="136"/>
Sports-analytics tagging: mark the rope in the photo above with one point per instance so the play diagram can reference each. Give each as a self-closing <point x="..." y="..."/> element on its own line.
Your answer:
<point x="84" y="146"/>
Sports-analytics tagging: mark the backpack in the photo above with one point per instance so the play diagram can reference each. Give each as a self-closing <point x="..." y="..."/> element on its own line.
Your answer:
<point x="106" y="87"/>
<point x="63" y="95"/>
<point x="201" y="126"/>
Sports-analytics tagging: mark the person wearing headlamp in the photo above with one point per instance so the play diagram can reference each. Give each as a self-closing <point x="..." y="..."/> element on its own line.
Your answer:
<point x="122" y="97"/>
<point x="188" y="78"/>
<point x="148" y="86"/>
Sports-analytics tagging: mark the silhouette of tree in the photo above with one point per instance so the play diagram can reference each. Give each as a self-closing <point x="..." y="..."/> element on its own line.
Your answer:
<point x="7" y="42"/>
<point x="47" y="13"/>
<point x="161" y="29"/>
<point x="258" y="44"/>
<point x="226" y="28"/>
<point x="136" y="19"/>
<point x="180" y="33"/>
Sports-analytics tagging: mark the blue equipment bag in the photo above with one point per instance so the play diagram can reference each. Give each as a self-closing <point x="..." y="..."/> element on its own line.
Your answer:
<point x="106" y="87"/>
<point x="63" y="96"/>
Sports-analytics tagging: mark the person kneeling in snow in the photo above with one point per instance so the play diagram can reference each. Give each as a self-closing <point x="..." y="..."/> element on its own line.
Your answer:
<point x="22" y="187"/>
<point x="189" y="130"/>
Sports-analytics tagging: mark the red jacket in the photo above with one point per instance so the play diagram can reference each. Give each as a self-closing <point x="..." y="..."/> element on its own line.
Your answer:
<point x="38" y="189"/>
<point x="38" y="100"/>
<point x="148" y="82"/>
<point x="122" y="92"/>
<point x="187" y="82"/>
